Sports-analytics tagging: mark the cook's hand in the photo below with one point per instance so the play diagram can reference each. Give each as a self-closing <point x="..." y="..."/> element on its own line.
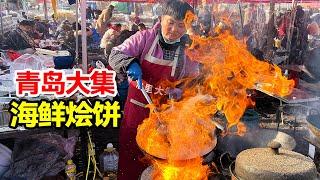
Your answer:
<point x="175" y="93"/>
<point x="135" y="73"/>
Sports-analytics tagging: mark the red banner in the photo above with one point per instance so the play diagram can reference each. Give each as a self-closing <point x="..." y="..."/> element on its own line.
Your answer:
<point x="223" y="1"/>
<point x="264" y="1"/>
<point x="312" y="3"/>
<point x="148" y="1"/>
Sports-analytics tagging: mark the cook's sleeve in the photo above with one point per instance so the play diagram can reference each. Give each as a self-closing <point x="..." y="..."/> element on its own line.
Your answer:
<point x="130" y="50"/>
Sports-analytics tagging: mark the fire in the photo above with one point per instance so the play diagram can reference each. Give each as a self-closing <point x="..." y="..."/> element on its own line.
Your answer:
<point x="232" y="70"/>
<point x="170" y="133"/>
<point x="181" y="132"/>
<point x="189" y="18"/>
<point x="191" y="169"/>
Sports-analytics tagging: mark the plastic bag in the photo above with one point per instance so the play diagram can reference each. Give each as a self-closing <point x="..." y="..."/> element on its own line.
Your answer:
<point x="5" y="159"/>
<point x="13" y="55"/>
<point x="40" y="155"/>
<point x="4" y="59"/>
<point x="26" y="61"/>
<point x="46" y="61"/>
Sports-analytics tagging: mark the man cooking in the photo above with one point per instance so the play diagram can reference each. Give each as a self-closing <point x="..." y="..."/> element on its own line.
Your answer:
<point x="149" y="57"/>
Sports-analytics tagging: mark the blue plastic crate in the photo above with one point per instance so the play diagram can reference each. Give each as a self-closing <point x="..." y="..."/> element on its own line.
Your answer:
<point x="63" y="62"/>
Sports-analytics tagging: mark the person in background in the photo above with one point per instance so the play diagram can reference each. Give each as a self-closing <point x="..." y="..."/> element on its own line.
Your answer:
<point x="136" y="20"/>
<point x="21" y="39"/>
<point x="156" y="10"/>
<point x="90" y="13"/>
<point x="299" y="41"/>
<point x="53" y="25"/>
<point x="41" y="28"/>
<point x="250" y="15"/>
<point x="104" y="20"/>
<point x="68" y="42"/>
<point x="96" y="17"/>
<point x="313" y="35"/>
<point x="89" y="32"/>
<point x="125" y="27"/>
<point x="41" y="31"/>
<point x="135" y="23"/>
<point x="142" y="27"/>
<point x="62" y="30"/>
<point x="97" y="13"/>
<point x="204" y="19"/>
<point x="313" y="29"/>
<point x="134" y="28"/>
<point x="150" y="56"/>
<point x="108" y="37"/>
<point x="315" y="17"/>
<point x="283" y="23"/>
<point x="24" y="15"/>
<point x="96" y="38"/>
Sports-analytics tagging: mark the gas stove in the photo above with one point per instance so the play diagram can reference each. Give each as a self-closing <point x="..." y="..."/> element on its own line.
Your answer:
<point x="218" y="164"/>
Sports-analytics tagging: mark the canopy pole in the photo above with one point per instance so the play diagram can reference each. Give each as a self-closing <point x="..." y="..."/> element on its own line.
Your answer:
<point x="83" y="7"/>
<point x="77" y="35"/>
<point x="241" y="18"/>
<point x="45" y="8"/>
<point x="291" y="28"/>
<point x="1" y="21"/>
<point x="7" y="6"/>
<point x="268" y="47"/>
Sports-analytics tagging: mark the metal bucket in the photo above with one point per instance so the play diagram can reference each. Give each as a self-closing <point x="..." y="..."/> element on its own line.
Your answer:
<point x="231" y="169"/>
<point x="313" y="120"/>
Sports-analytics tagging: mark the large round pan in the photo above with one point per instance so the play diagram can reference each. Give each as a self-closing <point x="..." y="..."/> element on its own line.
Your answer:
<point x="162" y="155"/>
<point x="312" y="65"/>
<point x="313" y="120"/>
<point x="255" y="138"/>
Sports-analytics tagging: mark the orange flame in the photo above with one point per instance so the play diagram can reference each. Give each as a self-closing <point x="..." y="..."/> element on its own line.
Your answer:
<point x="177" y="132"/>
<point x="232" y="70"/>
<point x="191" y="170"/>
<point x="189" y="18"/>
<point x="170" y="133"/>
<point x="184" y="130"/>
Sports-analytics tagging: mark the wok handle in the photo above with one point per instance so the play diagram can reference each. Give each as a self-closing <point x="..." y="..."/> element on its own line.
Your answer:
<point x="313" y="111"/>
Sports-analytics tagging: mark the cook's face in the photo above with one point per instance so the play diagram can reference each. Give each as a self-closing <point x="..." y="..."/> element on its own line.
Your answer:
<point x="171" y="28"/>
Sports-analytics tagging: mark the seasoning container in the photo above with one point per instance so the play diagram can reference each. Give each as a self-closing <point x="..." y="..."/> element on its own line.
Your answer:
<point x="70" y="170"/>
<point x="109" y="162"/>
<point x="273" y="163"/>
<point x="147" y="173"/>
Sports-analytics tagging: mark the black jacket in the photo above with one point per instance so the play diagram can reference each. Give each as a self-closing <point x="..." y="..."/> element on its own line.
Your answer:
<point x="13" y="40"/>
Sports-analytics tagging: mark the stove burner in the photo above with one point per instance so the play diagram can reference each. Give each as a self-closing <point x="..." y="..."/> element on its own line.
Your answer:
<point x="219" y="164"/>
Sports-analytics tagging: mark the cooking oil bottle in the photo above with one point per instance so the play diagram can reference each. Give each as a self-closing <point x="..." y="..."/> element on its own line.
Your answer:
<point x="70" y="170"/>
<point x="109" y="162"/>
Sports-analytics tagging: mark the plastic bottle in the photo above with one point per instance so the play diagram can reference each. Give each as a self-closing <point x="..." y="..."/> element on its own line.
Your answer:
<point x="70" y="170"/>
<point x="109" y="162"/>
